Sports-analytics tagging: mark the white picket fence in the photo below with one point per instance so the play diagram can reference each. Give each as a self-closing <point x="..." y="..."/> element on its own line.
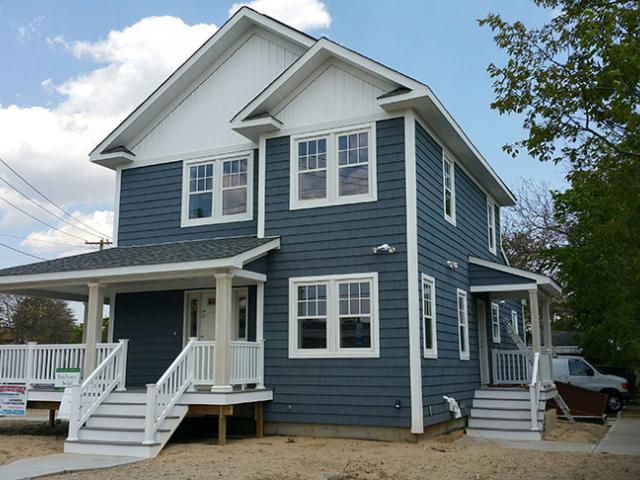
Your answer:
<point x="35" y="363"/>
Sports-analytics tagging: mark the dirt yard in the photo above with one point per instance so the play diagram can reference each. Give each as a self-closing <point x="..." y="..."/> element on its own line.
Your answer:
<point x="579" y="432"/>
<point x="279" y="458"/>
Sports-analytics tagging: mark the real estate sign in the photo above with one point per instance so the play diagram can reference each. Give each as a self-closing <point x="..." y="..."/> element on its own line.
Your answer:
<point x="66" y="377"/>
<point x="13" y="400"/>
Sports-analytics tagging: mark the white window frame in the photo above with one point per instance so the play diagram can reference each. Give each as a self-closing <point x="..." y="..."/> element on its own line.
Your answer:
<point x="491" y="226"/>
<point x="448" y="159"/>
<point x="495" y="322"/>
<point x="217" y="216"/>
<point x="332" y="192"/>
<point x="464" y="321"/>
<point x="514" y="321"/>
<point x="430" y="283"/>
<point x="333" y="349"/>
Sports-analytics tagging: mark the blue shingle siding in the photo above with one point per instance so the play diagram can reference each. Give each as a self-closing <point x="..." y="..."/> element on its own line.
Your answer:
<point x="338" y="240"/>
<point x="480" y="275"/>
<point x="438" y="242"/>
<point x="152" y="321"/>
<point x="150" y="208"/>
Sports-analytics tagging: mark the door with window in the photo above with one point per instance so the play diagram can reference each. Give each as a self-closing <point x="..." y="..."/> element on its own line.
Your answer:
<point x="200" y="321"/>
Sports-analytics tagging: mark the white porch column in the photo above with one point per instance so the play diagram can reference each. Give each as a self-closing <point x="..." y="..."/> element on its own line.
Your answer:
<point x="222" y="351"/>
<point x="112" y="312"/>
<point x="535" y="321"/>
<point x="85" y="311"/>
<point x="546" y="323"/>
<point x="93" y="325"/>
<point x="260" y="331"/>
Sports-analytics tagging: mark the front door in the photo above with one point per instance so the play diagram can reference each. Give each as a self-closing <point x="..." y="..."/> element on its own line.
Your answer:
<point x="200" y="321"/>
<point x="483" y="342"/>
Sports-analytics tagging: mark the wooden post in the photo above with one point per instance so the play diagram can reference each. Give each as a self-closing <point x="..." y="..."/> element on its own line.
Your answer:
<point x="259" y="413"/>
<point x="222" y="428"/>
<point x="52" y="418"/>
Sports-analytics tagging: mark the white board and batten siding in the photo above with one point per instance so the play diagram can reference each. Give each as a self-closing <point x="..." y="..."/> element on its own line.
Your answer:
<point x="199" y="121"/>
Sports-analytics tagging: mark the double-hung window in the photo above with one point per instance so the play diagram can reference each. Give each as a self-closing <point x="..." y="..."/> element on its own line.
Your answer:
<point x="333" y="316"/>
<point x="495" y="322"/>
<point x="333" y="167"/>
<point x="463" y="325"/>
<point x="491" y="226"/>
<point x="217" y="190"/>
<point x="449" y="188"/>
<point x="514" y="322"/>
<point x="429" y="336"/>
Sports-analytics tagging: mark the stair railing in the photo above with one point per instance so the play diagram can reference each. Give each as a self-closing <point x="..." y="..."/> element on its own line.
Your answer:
<point x="163" y="395"/>
<point x="87" y="397"/>
<point x="534" y="390"/>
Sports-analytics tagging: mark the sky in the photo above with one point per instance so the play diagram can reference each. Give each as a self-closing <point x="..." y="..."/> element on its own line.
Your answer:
<point x="72" y="70"/>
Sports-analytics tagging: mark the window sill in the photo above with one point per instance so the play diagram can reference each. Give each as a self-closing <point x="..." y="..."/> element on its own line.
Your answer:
<point x="431" y="355"/>
<point x="302" y="205"/>
<point x="465" y="358"/>
<point x="213" y="221"/>
<point x="451" y="220"/>
<point x="328" y="355"/>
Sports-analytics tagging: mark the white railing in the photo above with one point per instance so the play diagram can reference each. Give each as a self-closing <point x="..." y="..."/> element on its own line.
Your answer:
<point x="534" y="391"/>
<point x="247" y="363"/>
<point x="86" y="398"/>
<point x="163" y="395"/>
<point x="37" y="363"/>
<point x="511" y="367"/>
<point x="204" y="357"/>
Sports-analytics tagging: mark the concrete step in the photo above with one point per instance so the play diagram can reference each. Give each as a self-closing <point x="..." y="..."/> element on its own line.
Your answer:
<point x="125" y="449"/>
<point x="121" y="409"/>
<point x="503" y="434"/>
<point x="502" y="393"/>
<point x="111" y="421"/>
<point x="501" y="423"/>
<point x="505" y="404"/>
<point x="506" y="414"/>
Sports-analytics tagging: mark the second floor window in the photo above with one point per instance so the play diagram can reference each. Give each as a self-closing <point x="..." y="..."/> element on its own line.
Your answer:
<point x="217" y="190"/>
<point x="333" y="168"/>
<point x="491" y="226"/>
<point x="449" y="190"/>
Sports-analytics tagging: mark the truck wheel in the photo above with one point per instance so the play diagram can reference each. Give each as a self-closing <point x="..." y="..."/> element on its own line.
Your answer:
<point x="614" y="402"/>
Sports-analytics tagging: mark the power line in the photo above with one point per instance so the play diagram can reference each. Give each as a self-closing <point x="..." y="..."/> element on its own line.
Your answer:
<point x="59" y="217"/>
<point x="20" y="251"/>
<point x="41" y="221"/>
<point x="46" y="241"/>
<point x="49" y="200"/>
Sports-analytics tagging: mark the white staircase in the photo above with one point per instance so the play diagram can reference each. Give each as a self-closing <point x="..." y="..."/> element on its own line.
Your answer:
<point x="505" y="414"/>
<point x="118" y="425"/>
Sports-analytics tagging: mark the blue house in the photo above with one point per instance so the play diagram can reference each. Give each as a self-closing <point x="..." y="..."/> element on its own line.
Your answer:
<point x="300" y="229"/>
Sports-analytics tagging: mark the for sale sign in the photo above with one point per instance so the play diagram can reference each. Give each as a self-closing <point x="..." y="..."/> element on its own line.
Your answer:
<point x="66" y="377"/>
<point x="13" y="400"/>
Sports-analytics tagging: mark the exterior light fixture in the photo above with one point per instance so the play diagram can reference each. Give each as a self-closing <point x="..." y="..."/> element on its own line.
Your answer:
<point x="453" y="265"/>
<point x="384" y="248"/>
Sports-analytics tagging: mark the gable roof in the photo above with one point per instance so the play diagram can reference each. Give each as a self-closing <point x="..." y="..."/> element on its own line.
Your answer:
<point x="257" y="116"/>
<point x="105" y="152"/>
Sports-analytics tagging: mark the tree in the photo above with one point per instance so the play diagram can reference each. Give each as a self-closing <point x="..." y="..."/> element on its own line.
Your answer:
<point x="7" y="307"/>
<point x="42" y="320"/>
<point x="575" y="82"/>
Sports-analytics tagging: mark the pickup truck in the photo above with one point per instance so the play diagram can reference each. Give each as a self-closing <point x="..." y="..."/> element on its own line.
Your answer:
<point x="577" y="371"/>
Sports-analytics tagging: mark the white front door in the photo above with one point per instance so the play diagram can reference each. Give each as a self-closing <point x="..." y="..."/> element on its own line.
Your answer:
<point x="482" y="342"/>
<point x="200" y="320"/>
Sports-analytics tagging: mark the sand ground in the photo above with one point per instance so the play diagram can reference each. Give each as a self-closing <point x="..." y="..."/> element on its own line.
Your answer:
<point x="280" y="458"/>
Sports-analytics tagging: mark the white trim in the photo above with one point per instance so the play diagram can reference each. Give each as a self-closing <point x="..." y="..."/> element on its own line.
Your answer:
<point x="464" y="355"/>
<point x="112" y="315"/>
<point x="344" y="123"/>
<point x="539" y="279"/>
<point x="248" y="275"/>
<point x="492" y="237"/>
<point x="449" y="159"/>
<point x="332" y="168"/>
<point x="515" y="322"/>
<point x="333" y="349"/>
<point x="506" y="287"/>
<point x="495" y="322"/>
<point x="433" y="326"/>
<point x="217" y="190"/>
<point x="116" y="207"/>
<point x="262" y="182"/>
<point x="413" y="305"/>
<point x="140" y="272"/>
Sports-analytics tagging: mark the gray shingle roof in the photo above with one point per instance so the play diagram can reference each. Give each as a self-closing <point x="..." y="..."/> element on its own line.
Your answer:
<point x="188" y="251"/>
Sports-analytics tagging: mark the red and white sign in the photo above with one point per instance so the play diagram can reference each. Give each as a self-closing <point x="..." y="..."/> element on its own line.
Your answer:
<point x="13" y="400"/>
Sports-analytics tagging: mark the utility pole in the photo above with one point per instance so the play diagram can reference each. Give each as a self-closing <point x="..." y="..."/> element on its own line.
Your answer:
<point x="102" y="243"/>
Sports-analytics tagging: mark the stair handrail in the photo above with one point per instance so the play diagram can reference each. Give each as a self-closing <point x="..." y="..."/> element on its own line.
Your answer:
<point x="163" y="395"/>
<point x="534" y="390"/>
<point x="88" y="396"/>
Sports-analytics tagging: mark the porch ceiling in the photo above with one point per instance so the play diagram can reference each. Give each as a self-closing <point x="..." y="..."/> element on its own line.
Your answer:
<point x="169" y="265"/>
<point x="502" y="281"/>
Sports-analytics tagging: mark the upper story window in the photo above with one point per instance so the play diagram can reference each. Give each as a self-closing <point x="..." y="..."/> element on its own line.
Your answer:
<point x="333" y="316"/>
<point x="217" y="190"/>
<point x="430" y="342"/>
<point x="449" y="188"/>
<point x="333" y="167"/>
<point x="463" y="326"/>
<point x="491" y="225"/>
<point x="495" y="322"/>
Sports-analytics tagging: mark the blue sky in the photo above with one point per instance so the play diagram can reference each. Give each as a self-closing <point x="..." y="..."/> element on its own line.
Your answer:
<point x="51" y="51"/>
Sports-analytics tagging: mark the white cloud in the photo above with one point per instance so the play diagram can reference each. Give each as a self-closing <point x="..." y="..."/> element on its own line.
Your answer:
<point x="30" y="30"/>
<point x="49" y="145"/>
<point x="301" y="14"/>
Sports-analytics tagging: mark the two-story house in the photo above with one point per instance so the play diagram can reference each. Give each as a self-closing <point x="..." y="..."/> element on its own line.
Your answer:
<point x="302" y="228"/>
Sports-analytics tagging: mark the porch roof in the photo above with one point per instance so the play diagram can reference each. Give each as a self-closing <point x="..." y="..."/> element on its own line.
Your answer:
<point x="175" y="260"/>
<point x="505" y="281"/>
